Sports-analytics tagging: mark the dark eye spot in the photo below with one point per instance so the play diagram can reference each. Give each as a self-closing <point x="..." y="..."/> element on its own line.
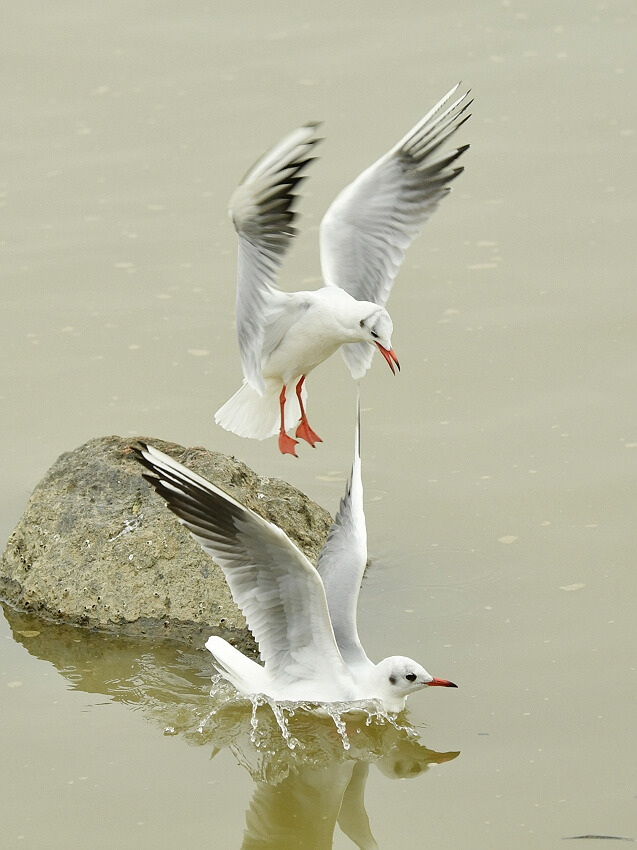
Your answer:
<point x="362" y="322"/>
<point x="374" y="334"/>
<point x="411" y="677"/>
<point x="392" y="680"/>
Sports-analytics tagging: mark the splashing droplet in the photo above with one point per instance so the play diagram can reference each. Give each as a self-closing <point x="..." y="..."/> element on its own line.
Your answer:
<point x="334" y="711"/>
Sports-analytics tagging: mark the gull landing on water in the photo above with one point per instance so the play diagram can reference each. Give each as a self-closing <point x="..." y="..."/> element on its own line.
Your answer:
<point x="303" y="618"/>
<point x="363" y="237"/>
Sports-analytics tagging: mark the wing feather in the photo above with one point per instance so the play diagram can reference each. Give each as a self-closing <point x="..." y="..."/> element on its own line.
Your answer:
<point x="371" y="223"/>
<point x="262" y="210"/>
<point x="276" y="587"/>
<point x="342" y="561"/>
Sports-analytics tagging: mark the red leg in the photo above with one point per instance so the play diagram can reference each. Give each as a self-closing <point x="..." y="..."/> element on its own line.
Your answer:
<point x="286" y="444"/>
<point x="304" y="432"/>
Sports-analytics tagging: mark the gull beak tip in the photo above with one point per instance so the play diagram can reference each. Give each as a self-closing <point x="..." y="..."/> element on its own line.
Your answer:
<point x="441" y="683"/>
<point x="390" y="356"/>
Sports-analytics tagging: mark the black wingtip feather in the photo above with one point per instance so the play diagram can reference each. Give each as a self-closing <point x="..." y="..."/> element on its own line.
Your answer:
<point x="205" y="513"/>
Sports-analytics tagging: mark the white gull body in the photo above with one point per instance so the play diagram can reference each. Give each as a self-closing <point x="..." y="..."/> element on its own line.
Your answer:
<point x="364" y="234"/>
<point x="302" y="617"/>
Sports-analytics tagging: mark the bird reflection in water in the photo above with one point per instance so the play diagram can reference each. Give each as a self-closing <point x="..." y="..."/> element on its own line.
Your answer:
<point x="307" y="781"/>
<point x="310" y="771"/>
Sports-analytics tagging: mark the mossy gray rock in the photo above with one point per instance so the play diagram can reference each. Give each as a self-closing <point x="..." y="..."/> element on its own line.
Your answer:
<point x="96" y="546"/>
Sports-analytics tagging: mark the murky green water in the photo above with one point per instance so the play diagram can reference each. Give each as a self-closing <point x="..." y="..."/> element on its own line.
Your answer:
<point x="499" y="466"/>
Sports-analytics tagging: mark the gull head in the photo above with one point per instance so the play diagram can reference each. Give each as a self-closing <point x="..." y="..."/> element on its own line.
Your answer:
<point x="377" y="327"/>
<point x="399" y="676"/>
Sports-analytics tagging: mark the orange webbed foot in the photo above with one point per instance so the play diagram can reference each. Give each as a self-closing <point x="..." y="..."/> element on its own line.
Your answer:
<point x="286" y="444"/>
<point x="304" y="432"/>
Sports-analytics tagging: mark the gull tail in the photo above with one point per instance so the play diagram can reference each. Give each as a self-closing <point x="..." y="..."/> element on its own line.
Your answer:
<point x="249" y="414"/>
<point x="247" y="676"/>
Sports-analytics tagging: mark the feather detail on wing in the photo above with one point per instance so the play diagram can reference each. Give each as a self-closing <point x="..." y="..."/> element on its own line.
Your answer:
<point x="273" y="583"/>
<point x="358" y="357"/>
<point x="342" y="561"/>
<point x="369" y="226"/>
<point x="262" y="210"/>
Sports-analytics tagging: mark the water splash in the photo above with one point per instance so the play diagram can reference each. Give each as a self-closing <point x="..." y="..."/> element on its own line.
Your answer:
<point x="205" y="720"/>
<point x="341" y="728"/>
<point x="255" y="735"/>
<point x="296" y="724"/>
<point x="279" y="711"/>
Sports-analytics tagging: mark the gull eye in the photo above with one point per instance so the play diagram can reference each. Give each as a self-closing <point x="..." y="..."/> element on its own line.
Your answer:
<point x="411" y="677"/>
<point x="374" y="334"/>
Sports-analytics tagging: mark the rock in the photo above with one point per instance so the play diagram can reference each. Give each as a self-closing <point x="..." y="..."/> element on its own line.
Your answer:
<point x="97" y="547"/>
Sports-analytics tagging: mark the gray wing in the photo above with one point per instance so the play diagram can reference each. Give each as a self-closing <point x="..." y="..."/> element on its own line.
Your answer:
<point x="342" y="561"/>
<point x="262" y="211"/>
<point x="369" y="226"/>
<point x="273" y="583"/>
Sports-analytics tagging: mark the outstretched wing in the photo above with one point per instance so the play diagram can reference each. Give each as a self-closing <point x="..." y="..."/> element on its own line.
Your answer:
<point x="273" y="583"/>
<point x="369" y="226"/>
<point x="342" y="561"/>
<point x="262" y="211"/>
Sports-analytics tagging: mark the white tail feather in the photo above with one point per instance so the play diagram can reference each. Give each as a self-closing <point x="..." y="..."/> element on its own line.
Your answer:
<point x="249" y="414"/>
<point x="247" y="676"/>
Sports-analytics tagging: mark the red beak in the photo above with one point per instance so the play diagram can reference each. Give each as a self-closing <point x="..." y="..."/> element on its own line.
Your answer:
<point x="441" y="683"/>
<point x="390" y="357"/>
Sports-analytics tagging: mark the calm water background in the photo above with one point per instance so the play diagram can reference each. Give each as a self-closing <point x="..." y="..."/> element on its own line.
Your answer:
<point x="499" y="466"/>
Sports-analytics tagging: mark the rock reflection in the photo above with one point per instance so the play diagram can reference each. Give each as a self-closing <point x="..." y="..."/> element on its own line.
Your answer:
<point x="310" y="772"/>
